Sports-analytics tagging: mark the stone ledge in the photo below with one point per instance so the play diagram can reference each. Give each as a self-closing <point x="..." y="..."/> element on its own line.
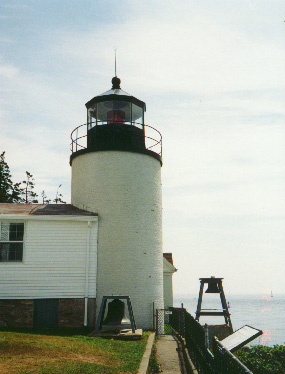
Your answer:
<point x="144" y="366"/>
<point x="126" y="334"/>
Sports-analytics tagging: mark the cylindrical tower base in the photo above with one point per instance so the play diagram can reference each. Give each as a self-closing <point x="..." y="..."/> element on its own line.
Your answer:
<point x="124" y="188"/>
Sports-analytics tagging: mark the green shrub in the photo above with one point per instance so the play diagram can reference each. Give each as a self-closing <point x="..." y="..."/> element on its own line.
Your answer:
<point x="261" y="359"/>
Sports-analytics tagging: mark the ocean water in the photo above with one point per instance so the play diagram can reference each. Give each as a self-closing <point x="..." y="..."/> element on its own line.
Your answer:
<point x="260" y="311"/>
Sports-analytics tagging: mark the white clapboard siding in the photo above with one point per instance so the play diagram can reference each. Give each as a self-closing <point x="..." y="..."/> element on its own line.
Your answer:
<point x="54" y="261"/>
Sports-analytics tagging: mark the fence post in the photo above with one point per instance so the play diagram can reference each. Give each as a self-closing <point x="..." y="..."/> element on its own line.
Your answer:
<point x="156" y="322"/>
<point x="183" y="322"/>
<point x="153" y="316"/>
<point x="207" y="336"/>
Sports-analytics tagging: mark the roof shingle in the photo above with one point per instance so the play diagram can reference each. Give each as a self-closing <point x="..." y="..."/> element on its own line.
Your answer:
<point x="168" y="257"/>
<point x="44" y="209"/>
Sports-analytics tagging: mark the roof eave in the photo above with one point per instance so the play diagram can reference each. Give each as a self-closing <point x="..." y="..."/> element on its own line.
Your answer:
<point x="54" y="217"/>
<point x="171" y="268"/>
<point x="99" y="99"/>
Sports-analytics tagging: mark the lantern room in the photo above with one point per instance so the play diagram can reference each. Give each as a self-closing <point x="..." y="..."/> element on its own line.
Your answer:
<point x="115" y="119"/>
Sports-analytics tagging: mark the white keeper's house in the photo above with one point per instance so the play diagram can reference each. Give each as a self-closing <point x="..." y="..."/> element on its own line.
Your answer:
<point x="57" y="261"/>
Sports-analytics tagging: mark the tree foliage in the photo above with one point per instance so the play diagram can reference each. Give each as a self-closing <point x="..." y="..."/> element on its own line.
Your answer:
<point x="9" y="192"/>
<point x="24" y="191"/>
<point x="29" y="185"/>
<point x="44" y="197"/>
<point x="59" y="197"/>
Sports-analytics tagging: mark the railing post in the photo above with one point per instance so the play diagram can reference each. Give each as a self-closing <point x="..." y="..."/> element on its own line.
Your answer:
<point x="183" y="321"/>
<point x="153" y="316"/>
<point x="206" y="328"/>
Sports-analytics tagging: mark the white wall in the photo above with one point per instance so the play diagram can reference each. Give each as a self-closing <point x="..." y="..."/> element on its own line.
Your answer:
<point x="53" y="261"/>
<point x="167" y="290"/>
<point x="168" y="271"/>
<point x="124" y="188"/>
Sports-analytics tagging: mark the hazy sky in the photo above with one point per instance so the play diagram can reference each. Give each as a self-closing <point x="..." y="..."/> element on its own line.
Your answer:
<point x="212" y="75"/>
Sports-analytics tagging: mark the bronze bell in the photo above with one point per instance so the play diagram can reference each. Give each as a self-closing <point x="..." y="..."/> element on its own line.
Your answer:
<point x="212" y="288"/>
<point x="116" y="318"/>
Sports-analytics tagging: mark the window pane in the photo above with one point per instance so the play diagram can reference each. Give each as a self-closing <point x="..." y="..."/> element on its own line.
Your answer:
<point x="11" y="252"/>
<point x="123" y="108"/>
<point x="4" y="232"/>
<point x="102" y="111"/>
<point x="92" y="117"/>
<point x="137" y="114"/>
<point x="4" y="252"/>
<point x="16" y="231"/>
<point x="16" y="252"/>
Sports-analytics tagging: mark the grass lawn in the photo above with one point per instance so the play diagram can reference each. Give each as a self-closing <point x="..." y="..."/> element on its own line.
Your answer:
<point x="67" y="352"/>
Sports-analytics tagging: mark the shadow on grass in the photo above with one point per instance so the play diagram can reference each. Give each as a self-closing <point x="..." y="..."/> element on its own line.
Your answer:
<point x="68" y="352"/>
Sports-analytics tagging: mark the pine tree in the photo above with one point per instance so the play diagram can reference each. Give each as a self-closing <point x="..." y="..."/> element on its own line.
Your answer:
<point x="30" y="196"/>
<point x="9" y="192"/>
<point x="58" y="197"/>
<point x="44" y="197"/>
<point x="21" y="192"/>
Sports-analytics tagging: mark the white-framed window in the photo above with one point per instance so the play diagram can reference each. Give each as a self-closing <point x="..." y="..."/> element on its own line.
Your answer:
<point x="11" y="241"/>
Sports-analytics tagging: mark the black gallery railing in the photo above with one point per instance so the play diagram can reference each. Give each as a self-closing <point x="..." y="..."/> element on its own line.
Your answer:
<point x="220" y="361"/>
<point x="146" y="135"/>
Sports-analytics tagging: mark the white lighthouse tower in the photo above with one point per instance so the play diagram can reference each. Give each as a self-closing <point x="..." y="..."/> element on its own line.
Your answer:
<point x="117" y="174"/>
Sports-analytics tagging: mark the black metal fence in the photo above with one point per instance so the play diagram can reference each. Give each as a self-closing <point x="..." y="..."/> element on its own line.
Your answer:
<point x="225" y="361"/>
<point x="194" y="336"/>
<point x="177" y="320"/>
<point x="221" y="361"/>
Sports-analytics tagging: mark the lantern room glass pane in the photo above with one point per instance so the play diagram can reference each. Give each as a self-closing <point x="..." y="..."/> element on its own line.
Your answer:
<point x="103" y="109"/>
<point x="92" y="113"/>
<point x="123" y="108"/>
<point x="137" y="115"/>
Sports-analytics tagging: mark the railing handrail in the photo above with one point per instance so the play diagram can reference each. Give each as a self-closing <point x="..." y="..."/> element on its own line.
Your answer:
<point x="226" y="352"/>
<point x="76" y="128"/>
<point x="75" y="138"/>
<point x="205" y="361"/>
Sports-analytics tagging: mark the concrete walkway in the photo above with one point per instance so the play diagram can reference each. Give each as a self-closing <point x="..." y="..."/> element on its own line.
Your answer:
<point x="168" y="355"/>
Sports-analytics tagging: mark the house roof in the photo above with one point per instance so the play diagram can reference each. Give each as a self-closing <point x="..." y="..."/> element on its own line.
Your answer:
<point x="168" y="257"/>
<point x="168" y="263"/>
<point x="44" y="209"/>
